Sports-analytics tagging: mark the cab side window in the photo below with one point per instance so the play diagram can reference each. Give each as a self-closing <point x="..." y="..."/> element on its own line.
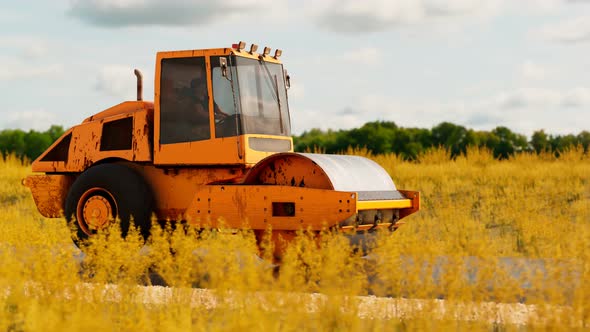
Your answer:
<point x="184" y="102"/>
<point x="227" y="120"/>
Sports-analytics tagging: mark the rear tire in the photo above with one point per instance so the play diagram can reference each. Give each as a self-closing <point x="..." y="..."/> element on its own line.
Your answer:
<point x="103" y="194"/>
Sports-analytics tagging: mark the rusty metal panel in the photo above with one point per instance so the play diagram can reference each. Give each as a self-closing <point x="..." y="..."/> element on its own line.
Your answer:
<point x="215" y="151"/>
<point x="414" y="196"/>
<point x="84" y="147"/>
<point x="143" y="136"/>
<point x="126" y="107"/>
<point x="288" y="169"/>
<point x="251" y="206"/>
<point x="173" y="188"/>
<point x="41" y="164"/>
<point x="49" y="192"/>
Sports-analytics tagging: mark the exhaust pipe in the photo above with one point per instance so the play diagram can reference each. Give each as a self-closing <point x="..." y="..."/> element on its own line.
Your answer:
<point x="139" y="84"/>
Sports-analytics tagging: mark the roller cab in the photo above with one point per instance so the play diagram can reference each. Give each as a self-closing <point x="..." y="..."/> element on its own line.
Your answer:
<point x="223" y="107"/>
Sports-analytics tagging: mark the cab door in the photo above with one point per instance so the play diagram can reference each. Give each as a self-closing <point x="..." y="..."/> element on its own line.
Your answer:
<point x="184" y="126"/>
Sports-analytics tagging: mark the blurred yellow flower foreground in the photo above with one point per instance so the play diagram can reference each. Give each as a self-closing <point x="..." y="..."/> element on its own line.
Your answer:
<point x="497" y="244"/>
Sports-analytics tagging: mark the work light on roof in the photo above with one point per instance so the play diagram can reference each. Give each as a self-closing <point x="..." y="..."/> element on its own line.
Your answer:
<point x="253" y="48"/>
<point x="278" y="53"/>
<point x="266" y="51"/>
<point x="241" y="45"/>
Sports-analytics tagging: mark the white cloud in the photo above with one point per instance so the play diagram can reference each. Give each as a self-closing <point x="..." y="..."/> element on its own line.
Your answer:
<point x="364" y="56"/>
<point x="377" y="15"/>
<point x="26" y="46"/>
<point x="361" y="56"/>
<point x="13" y="69"/>
<point x="33" y="119"/>
<point x="296" y="91"/>
<point x="117" y="81"/>
<point x="578" y="97"/>
<point x="533" y="71"/>
<point x="305" y="119"/>
<point x="523" y="111"/>
<point x="368" y="108"/>
<point x="526" y="97"/>
<point x="35" y="50"/>
<point x="120" y="13"/>
<point x="546" y="98"/>
<point x="452" y="7"/>
<point x="574" y="30"/>
<point x="24" y="57"/>
<point x="8" y="15"/>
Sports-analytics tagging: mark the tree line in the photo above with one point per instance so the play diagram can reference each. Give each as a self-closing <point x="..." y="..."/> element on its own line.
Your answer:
<point x="28" y="144"/>
<point x="386" y="137"/>
<point x="378" y="137"/>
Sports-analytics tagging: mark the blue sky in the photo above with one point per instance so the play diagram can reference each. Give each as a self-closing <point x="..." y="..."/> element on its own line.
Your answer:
<point x="521" y="64"/>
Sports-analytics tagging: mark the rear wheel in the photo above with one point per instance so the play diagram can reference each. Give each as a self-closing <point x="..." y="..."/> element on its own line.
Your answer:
<point x="104" y="194"/>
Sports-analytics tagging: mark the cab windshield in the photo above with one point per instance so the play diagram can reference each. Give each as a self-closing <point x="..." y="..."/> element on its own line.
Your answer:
<point x="259" y="104"/>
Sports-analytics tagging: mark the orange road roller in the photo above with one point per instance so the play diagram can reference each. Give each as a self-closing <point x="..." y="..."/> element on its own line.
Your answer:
<point x="214" y="149"/>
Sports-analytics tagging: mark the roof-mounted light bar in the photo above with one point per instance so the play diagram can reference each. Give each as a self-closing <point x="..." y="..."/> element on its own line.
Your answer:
<point x="253" y="48"/>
